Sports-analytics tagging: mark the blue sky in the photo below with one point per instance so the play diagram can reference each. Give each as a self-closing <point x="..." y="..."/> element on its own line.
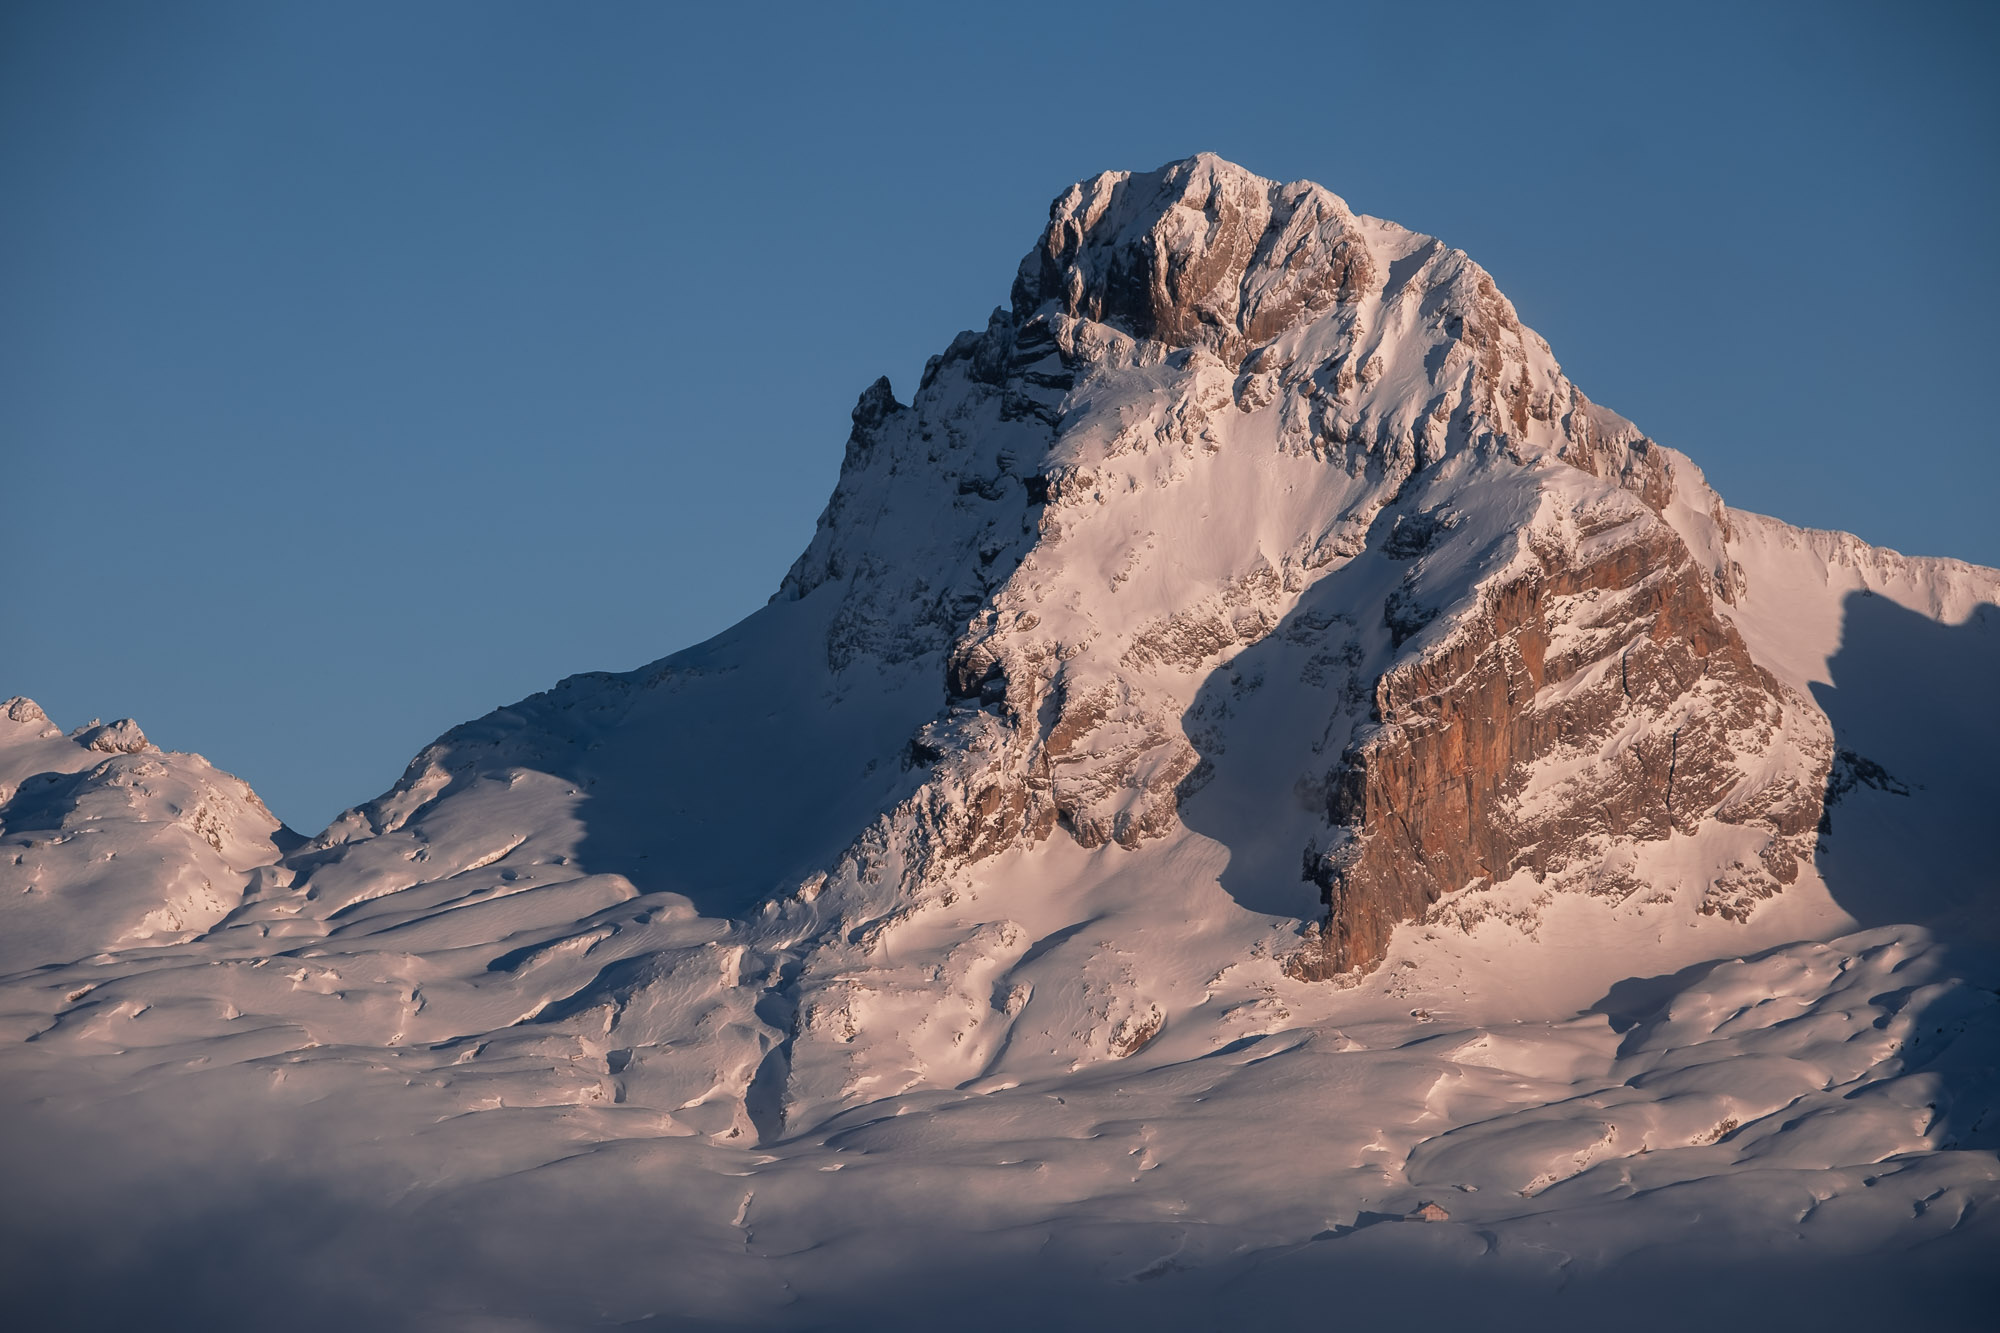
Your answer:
<point x="364" y="367"/>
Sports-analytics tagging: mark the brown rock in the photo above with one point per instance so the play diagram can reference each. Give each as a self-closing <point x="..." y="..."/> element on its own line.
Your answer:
<point x="1661" y="699"/>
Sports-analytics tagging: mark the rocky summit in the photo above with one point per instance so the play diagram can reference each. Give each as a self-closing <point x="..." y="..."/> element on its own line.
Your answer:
<point x="1249" y="751"/>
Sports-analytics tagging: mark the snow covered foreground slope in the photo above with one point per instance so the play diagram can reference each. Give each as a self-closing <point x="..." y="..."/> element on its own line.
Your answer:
<point x="1249" y="750"/>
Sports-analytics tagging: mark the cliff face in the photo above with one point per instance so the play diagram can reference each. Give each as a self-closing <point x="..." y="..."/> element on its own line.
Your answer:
<point x="1200" y="253"/>
<point x="1593" y="699"/>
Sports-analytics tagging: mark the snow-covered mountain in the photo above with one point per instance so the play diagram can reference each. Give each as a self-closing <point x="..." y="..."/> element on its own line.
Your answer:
<point x="1250" y="749"/>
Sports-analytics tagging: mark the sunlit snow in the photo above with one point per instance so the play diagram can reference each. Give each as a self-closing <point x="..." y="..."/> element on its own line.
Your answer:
<point x="666" y="1000"/>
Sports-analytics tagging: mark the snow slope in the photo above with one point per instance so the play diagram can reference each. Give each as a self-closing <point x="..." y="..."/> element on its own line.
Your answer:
<point x="109" y="843"/>
<point x="946" y="939"/>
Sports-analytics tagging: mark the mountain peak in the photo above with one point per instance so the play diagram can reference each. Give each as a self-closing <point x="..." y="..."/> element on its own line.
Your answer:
<point x="1223" y="415"/>
<point x="1199" y="252"/>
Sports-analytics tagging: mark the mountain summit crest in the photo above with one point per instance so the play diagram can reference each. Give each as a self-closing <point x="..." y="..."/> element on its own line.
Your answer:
<point x="1198" y="253"/>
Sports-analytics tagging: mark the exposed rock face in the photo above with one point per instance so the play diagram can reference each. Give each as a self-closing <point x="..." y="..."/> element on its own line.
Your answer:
<point x="1596" y="697"/>
<point x="1200" y="253"/>
<point x="120" y="737"/>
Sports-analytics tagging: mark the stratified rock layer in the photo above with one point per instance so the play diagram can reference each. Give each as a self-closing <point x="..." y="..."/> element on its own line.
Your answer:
<point x="1606" y="663"/>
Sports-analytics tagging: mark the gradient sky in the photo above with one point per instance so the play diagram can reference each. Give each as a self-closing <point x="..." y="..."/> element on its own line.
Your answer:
<point x="363" y="367"/>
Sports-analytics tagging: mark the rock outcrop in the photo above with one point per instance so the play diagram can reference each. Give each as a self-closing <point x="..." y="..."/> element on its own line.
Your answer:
<point x="1596" y="697"/>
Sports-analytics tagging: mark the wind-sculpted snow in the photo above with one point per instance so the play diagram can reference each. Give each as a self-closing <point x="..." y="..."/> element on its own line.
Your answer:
<point x="1248" y="751"/>
<point x="105" y="841"/>
<point x="1809" y="1129"/>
